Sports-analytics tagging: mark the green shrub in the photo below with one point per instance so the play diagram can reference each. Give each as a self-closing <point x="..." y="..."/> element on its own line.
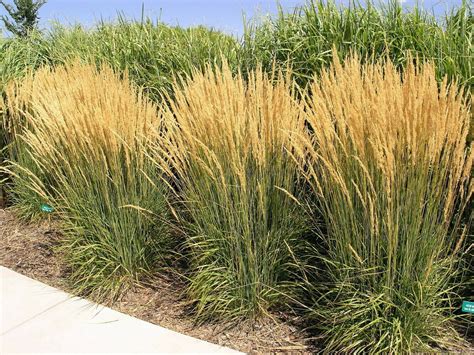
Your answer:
<point x="85" y="134"/>
<point x="224" y="150"/>
<point x="390" y="172"/>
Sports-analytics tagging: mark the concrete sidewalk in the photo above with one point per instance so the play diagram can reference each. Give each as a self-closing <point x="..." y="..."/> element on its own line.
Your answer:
<point x="36" y="318"/>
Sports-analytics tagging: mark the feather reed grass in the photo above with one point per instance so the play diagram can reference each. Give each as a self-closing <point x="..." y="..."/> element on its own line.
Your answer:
<point x="224" y="154"/>
<point x="85" y="132"/>
<point x="390" y="174"/>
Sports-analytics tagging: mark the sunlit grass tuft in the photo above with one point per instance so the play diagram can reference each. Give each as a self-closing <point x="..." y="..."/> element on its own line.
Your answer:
<point x="390" y="171"/>
<point x="225" y="153"/>
<point x="84" y="133"/>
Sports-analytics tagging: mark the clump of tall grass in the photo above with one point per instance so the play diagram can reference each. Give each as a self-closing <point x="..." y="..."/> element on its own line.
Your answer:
<point x="305" y="38"/>
<point x="390" y="173"/>
<point x="224" y="150"/>
<point x="84" y="135"/>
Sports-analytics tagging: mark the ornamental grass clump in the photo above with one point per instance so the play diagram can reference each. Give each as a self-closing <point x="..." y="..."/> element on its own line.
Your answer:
<point x="225" y="152"/>
<point x="84" y="133"/>
<point x="388" y="165"/>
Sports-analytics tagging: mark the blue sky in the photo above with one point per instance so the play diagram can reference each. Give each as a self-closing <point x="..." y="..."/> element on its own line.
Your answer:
<point x="222" y="14"/>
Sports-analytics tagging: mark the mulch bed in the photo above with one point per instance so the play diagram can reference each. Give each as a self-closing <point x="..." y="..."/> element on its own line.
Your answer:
<point x="29" y="249"/>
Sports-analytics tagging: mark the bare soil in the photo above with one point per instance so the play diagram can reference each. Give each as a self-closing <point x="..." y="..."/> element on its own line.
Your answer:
<point x="30" y="250"/>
